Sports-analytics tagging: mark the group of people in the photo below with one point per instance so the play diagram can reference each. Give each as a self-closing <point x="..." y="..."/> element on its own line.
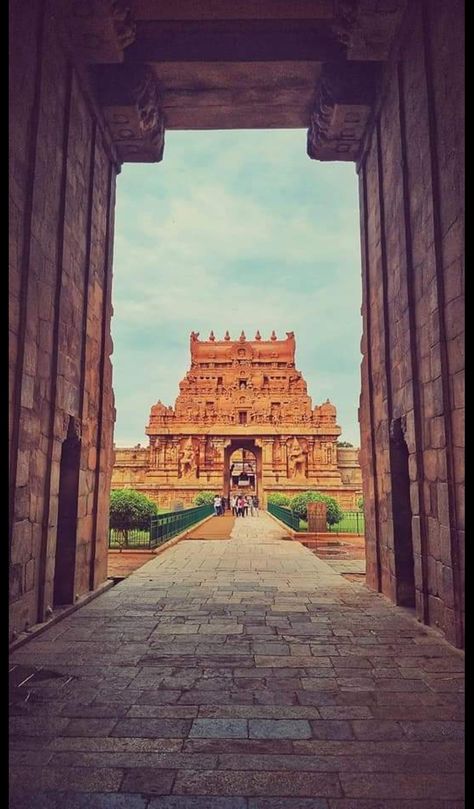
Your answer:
<point x="239" y="504"/>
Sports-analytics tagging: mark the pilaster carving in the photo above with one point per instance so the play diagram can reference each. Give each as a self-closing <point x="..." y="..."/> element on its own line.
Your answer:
<point x="344" y="96"/>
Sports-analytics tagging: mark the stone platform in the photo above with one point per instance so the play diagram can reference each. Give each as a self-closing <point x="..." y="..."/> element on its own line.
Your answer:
<point x="237" y="675"/>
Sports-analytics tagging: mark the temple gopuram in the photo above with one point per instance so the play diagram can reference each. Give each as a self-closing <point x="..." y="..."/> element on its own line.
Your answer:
<point x="243" y="421"/>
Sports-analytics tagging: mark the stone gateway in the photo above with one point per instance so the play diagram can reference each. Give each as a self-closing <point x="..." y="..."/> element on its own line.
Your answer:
<point x="94" y="86"/>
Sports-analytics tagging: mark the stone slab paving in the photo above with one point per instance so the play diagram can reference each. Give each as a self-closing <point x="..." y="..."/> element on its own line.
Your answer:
<point x="121" y="564"/>
<point x="347" y="565"/>
<point x="237" y="675"/>
<point x="215" y="528"/>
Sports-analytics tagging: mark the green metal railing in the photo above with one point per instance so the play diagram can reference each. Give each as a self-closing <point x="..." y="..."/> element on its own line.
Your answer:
<point x="134" y="539"/>
<point x="166" y="526"/>
<point x="162" y="527"/>
<point x="285" y="515"/>
<point x="352" y="523"/>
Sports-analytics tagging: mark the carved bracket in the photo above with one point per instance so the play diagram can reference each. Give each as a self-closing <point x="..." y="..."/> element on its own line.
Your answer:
<point x="130" y="101"/>
<point x="100" y="30"/>
<point x="344" y="97"/>
<point x="368" y="27"/>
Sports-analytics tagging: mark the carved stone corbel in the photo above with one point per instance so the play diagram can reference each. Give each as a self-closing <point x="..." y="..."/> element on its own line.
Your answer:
<point x="368" y="28"/>
<point x="130" y="100"/>
<point x="100" y="30"/>
<point x="344" y="97"/>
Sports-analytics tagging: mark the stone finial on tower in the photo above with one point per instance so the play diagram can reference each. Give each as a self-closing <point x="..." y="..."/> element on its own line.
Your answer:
<point x="242" y="337"/>
<point x="212" y="336"/>
<point x="227" y="336"/>
<point x="258" y="336"/>
<point x="273" y="337"/>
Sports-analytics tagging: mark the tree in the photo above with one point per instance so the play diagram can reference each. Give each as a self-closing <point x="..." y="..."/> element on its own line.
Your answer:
<point x="204" y="499"/>
<point x="130" y="509"/>
<point x="299" y="504"/>
<point x="360" y="503"/>
<point x="278" y="499"/>
<point x="344" y="444"/>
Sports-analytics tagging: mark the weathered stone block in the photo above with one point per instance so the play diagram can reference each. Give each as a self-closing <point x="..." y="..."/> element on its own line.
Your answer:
<point x="16" y="581"/>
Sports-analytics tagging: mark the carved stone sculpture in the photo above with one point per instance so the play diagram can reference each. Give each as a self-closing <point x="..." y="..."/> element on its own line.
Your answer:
<point x="187" y="459"/>
<point x="296" y="459"/>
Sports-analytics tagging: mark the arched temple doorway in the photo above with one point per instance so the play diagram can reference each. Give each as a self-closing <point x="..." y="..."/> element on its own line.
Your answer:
<point x="242" y="468"/>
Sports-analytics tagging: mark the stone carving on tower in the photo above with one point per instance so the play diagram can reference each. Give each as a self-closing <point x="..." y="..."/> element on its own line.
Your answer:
<point x="187" y="459"/>
<point x="239" y="393"/>
<point x="296" y="454"/>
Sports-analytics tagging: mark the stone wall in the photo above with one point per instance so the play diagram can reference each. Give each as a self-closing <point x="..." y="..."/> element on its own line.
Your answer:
<point x="62" y="207"/>
<point x="411" y="201"/>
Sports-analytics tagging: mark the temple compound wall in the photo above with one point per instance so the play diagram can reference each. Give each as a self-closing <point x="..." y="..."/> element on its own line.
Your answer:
<point x="241" y="395"/>
<point x="62" y="198"/>
<point x="411" y="196"/>
<point x="94" y="85"/>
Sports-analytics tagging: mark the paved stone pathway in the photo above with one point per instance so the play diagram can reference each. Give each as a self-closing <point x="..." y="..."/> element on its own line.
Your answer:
<point x="237" y="675"/>
<point x="124" y="563"/>
<point x="215" y="528"/>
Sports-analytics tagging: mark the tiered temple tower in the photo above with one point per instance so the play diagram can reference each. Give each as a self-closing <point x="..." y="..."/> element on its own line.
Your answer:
<point x="241" y="395"/>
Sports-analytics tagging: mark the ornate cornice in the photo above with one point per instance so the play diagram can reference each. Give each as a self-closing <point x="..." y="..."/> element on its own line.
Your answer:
<point x="344" y="97"/>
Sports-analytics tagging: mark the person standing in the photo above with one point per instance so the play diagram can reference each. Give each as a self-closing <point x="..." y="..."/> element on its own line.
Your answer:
<point x="223" y="504"/>
<point x="217" y="505"/>
<point x="255" y="505"/>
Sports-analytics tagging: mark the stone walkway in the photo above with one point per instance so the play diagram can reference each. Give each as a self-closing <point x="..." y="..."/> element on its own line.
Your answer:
<point x="237" y="675"/>
<point x="215" y="528"/>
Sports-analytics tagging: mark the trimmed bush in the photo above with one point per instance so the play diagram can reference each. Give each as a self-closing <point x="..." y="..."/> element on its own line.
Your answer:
<point x="204" y="499"/>
<point x="130" y="509"/>
<point x="299" y="504"/>
<point x="278" y="499"/>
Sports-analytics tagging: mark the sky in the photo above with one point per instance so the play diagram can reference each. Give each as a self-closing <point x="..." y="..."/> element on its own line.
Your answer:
<point x="235" y="230"/>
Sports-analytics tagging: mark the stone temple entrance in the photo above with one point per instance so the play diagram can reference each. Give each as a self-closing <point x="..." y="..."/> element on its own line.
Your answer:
<point x="243" y="468"/>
